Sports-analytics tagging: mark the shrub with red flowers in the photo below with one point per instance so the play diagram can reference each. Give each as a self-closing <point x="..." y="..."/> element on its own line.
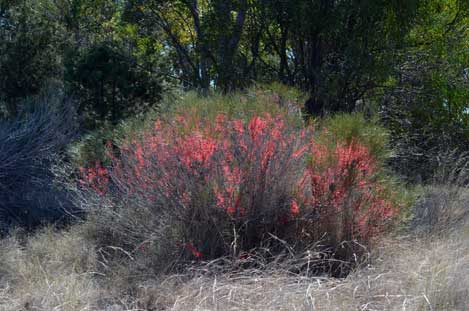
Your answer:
<point x="347" y="196"/>
<point x="97" y="178"/>
<point x="227" y="187"/>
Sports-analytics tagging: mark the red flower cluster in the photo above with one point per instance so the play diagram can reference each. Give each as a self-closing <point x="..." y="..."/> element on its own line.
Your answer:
<point x="96" y="177"/>
<point x="344" y="185"/>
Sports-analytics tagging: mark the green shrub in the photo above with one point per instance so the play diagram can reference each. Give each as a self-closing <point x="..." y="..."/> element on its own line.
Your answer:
<point x="348" y="127"/>
<point x="273" y="99"/>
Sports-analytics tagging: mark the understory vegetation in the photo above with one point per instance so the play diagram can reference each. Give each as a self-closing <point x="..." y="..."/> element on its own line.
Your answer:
<point x="242" y="207"/>
<point x="234" y="155"/>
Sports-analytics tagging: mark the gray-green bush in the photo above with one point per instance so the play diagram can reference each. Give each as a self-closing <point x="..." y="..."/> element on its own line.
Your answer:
<point x="29" y="144"/>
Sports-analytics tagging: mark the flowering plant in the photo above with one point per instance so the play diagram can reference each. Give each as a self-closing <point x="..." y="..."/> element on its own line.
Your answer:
<point x="230" y="184"/>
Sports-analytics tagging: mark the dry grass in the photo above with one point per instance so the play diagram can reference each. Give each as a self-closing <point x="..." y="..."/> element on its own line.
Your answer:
<point x="56" y="271"/>
<point x="50" y="271"/>
<point x="408" y="275"/>
<point x="444" y="204"/>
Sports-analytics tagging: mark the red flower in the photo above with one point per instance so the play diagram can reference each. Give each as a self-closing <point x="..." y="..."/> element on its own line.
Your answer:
<point x="189" y="246"/>
<point x="294" y="208"/>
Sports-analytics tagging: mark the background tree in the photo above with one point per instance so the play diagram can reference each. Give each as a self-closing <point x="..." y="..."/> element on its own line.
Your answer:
<point x="405" y="59"/>
<point x="337" y="50"/>
<point x="110" y="85"/>
<point x="30" y="50"/>
<point x="426" y="101"/>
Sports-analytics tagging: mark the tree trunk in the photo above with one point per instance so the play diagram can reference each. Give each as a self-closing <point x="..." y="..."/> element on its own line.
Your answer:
<point x="229" y="45"/>
<point x="204" y="79"/>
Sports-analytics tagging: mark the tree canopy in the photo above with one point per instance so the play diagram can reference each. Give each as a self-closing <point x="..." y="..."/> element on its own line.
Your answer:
<point x="406" y="60"/>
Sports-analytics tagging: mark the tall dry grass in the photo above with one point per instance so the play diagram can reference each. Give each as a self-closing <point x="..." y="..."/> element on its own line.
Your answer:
<point x="49" y="271"/>
<point x="408" y="274"/>
<point x="58" y="271"/>
<point x="444" y="203"/>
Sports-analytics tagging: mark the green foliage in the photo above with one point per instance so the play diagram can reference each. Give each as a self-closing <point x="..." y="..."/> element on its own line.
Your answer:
<point x="90" y="148"/>
<point x="270" y="98"/>
<point x="30" y="48"/>
<point x="407" y="59"/>
<point x="334" y="49"/>
<point x="426" y="105"/>
<point x="79" y="44"/>
<point x="111" y="86"/>
<point x="341" y="49"/>
<point x="349" y="127"/>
